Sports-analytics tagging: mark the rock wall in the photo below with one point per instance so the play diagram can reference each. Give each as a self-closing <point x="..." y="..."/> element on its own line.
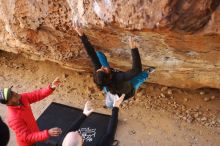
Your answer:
<point x="179" y="37"/>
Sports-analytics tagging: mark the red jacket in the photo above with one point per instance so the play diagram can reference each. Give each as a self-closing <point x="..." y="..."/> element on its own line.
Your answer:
<point x="21" y="119"/>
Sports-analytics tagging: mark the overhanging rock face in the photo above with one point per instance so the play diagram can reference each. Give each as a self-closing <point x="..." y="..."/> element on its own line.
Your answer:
<point x="179" y="37"/>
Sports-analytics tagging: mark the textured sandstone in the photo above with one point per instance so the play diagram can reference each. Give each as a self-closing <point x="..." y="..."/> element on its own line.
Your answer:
<point x="180" y="37"/>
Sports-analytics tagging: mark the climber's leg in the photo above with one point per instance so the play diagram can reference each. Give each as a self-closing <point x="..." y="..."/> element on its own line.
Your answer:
<point x="102" y="58"/>
<point x="104" y="62"/>
<point x="139" y="79"/>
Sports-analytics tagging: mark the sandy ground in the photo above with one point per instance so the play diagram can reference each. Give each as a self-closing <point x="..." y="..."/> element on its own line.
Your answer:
<point x="157" y="116"/>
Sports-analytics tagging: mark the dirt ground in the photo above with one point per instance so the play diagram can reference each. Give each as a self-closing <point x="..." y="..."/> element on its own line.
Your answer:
<point x="157" y="116"/>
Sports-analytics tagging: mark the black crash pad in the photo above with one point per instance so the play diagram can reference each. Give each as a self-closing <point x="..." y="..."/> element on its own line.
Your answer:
<point x="62" y="116"/>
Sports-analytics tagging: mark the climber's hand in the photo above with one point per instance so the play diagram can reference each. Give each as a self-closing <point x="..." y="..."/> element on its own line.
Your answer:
<point x="132" y="42"/>
<point x="77" y="28"/>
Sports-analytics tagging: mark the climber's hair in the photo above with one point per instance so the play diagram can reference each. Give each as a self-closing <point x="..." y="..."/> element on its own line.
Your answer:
<point x="102" y="79"/>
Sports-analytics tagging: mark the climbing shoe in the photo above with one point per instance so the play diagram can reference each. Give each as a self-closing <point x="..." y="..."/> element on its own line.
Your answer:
<point x="150" y="70"/>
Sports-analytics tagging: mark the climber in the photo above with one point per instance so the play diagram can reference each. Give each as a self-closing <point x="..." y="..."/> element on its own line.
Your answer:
<point x="113" y="81"/>
<point x="4" y="132"/>
<point x="73" y="138"/>
<point x="20" y="117"/>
